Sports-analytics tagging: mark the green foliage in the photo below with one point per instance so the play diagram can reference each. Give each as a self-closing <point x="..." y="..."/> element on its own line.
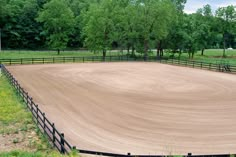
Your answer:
<point x="101" y="25"/>
<point x="227" y="25"/>
<point x="59" y="21"/>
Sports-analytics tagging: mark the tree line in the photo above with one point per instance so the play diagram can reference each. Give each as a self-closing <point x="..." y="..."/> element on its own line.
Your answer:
<point x="101" y="25"/>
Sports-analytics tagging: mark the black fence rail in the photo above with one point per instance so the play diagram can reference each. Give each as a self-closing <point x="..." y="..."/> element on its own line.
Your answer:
<point x="202" y="65"/>
<point x="187" y="63"/>
<point x="57" y="139"/>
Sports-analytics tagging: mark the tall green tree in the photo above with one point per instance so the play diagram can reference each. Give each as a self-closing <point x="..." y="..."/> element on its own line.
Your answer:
<point x="204" y="22"/>
<point x="154" y="21"/>
<point x="99" y="26"/>
<point x="226" y="21"/>
<point x="58" y="21"/>
<point x="19" y="27"/>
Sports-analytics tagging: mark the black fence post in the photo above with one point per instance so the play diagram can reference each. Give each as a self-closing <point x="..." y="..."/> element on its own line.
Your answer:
<point x="10" y="61"/>
<point x="37" y="113"/>
<point x="73" y="59"/>
<point x="83" y="59"/>
<point x="32" y="60"/>
<point x="64" y="60"/>
<point x="44" y="125"/>
<point x="21" y="61"/>
<point x="43" y="60"/>
<point x="201" y="65"/>
<point x="210" y="66"/>
<point x="53" y="133"/>
<point x="53" y="60"/>
<point x="62" y="143"/>
<point x="31" y="103"/>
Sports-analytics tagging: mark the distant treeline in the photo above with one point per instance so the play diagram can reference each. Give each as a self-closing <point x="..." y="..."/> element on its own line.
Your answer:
<point x="100" y="25"/>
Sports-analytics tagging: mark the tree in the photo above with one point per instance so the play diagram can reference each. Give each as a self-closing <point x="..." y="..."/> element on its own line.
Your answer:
<point x="226" y="21"/>
<point x="153" y="22"/>
<point x="58" y="21"/>
<point x="204" y="21"/>
<point x="179" y="4"/>
<point x="99" y="26"/>
<point x="19" y="27"/>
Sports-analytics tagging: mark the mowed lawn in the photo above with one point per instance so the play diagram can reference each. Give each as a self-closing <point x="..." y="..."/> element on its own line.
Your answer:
<point x="213" y="56"/>
<point x="19" y="136"/>
<point x="41" y="54"/>
<point x="210" y="55"/>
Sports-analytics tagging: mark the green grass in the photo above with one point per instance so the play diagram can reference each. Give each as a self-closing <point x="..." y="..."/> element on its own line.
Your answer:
<point x="41" y="54"/>
<point x="36" y="154"/>
<point x="12" y="110"/>
<point x="212" y="56"/>
<point x="16" y="125"/>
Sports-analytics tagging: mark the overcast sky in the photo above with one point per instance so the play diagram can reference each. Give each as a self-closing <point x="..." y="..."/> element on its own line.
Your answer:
<point x="193" y="5"/>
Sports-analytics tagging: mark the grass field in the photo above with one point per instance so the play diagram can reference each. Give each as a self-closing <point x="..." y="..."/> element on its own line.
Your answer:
<point x="211" y="55"/>
<point x="19" y="136"/>
<point x="38" y="54"/>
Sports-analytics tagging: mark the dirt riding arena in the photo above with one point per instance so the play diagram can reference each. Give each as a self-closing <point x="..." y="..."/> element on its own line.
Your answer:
<point x="141" y="108"/>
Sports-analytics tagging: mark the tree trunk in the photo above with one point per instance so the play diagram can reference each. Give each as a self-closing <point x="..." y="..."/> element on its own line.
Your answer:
<point x="203" y="49"/>
<point x="158" y="49"/>
<point x="58" y="51"/>
<point x="162" y="52"/>
<point x="180" y="52"/>
<point x="133" y="53"/>
<point x="224" y="55"/>
<point x="145" y="49"/>
<point x="104" y="54"/>
<point x="192" y="54"/>
<point x="128" y="48"/>
<point x="189" y="54"/>
<point x="224" y="44"/>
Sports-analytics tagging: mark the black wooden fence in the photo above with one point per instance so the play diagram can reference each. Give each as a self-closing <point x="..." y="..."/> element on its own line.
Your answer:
<point x="188" y="63"/>
<point x="56" y="138"/>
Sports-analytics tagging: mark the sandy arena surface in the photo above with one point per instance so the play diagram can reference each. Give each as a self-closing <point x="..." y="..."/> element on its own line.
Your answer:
<point x="141" y="108"/>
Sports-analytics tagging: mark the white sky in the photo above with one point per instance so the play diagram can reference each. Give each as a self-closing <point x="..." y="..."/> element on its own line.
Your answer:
<point x="193" y="5"/>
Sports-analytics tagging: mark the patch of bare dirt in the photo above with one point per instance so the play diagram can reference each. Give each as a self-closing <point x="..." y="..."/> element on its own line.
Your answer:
<point x="13" y="138"/>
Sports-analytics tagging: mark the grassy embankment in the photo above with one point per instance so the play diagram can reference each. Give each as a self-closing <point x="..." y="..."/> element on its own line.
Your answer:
<point x="19" y="136"/>
<point x="211" y="55"/>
